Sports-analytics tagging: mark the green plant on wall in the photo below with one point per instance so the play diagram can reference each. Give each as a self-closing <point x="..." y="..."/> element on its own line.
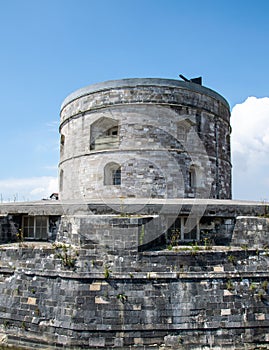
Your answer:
<point x="6" y="324"/>
<point x="174" y="239"/>
<point x="207" y="243"/>
<point x="180" y="340"/>
<point x="107" y="271"/>
<point x="259" y="289"/>
<point x="244" y="247"/>
<point x="229" y="285"/>
<point x="20" y="236"/>
<point x="231" y="259"/>
<point x="194" y="248"/>
<point x="67" y="254"/>
<point x="260" y="294"/>
<point x="253" y="287"/>
<point x="122" y="297"/>
<point x="265" y="285"/>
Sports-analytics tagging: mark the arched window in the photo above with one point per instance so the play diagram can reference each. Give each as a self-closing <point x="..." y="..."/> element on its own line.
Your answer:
<point x="112" y="174"/>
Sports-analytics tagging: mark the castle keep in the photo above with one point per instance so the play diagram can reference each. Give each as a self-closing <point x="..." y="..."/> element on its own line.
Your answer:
<point x="161" y="138"/>
<point x="145" y="247"/>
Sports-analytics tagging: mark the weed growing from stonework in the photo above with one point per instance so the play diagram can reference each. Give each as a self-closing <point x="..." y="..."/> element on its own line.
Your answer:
<point x="253" y="287"/>
<point x="265" y="285"/>
<point x="259" y="290"/>
<point x="244" y="247"/>
<point x="174" y="239"/>
<point x="180" y="340"/>
<point x="122" y="297"/>
<point x="195" y="248"/>
<point x="229" y="285"/>
<point x="20" y="236"/>
<point x="6" y="324"/>
<point x="261" y="295"/>
<point x="37" y="312"/>
<point x="107" y="271"/>
<point x="207" y="243"/>
<point x="67" y="255"/>
<point x="231" y="259"/>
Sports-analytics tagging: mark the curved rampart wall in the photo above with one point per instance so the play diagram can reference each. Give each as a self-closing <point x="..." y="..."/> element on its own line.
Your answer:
<point x="196" y="298"/>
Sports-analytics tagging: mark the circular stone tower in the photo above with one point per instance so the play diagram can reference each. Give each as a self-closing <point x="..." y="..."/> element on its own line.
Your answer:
<point x="145" y="138"/>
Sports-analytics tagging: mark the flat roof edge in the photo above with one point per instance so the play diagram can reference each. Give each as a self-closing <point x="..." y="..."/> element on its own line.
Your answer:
<point x="133" y="82"/>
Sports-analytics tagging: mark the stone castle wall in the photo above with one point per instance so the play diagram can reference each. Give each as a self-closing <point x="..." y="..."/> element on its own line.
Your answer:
<point x="164" y="128"/>
<point x="142" y="161"/>
<point x="251" y="231"/>
<point x="55" y="296"/>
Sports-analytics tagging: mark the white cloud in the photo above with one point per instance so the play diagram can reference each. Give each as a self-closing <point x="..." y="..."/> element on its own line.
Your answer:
<point x="250" y="148"/>
<point x="34" y="188"/>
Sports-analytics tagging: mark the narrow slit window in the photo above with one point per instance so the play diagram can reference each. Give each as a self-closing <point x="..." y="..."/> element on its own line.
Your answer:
<point x="192" y="178"/>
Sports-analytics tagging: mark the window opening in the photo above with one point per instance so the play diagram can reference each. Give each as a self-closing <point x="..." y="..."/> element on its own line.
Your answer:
<point x="104" y="134"/>
<point x="113" y="131"/>
<point x="116" y="176"/>
<point x="181" y="133"/>
<point x="35" y="227"/>
<point x="112" y="174"/>
<point x="192" y="177"/>
<point x="191" y="233"/>
<point x="61" y="180"/>
<point x="179" y="232"/>
<point x="62" y="140"/>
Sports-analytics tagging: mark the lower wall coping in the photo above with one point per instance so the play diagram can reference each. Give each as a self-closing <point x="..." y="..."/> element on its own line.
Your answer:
<point x="151" y="275"/>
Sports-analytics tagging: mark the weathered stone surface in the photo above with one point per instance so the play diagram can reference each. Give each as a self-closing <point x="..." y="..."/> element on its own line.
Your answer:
<point x="251" y="231"/>
<point x="165" y="128"/>
<point x="153" y="298"/>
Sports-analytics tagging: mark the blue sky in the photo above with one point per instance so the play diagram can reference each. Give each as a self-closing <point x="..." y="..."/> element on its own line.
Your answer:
<point x="50" y="48"/>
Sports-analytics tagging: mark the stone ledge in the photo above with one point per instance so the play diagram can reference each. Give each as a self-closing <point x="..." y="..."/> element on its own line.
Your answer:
<point x="150" y="276"/>
<point x="138" y="82"/>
